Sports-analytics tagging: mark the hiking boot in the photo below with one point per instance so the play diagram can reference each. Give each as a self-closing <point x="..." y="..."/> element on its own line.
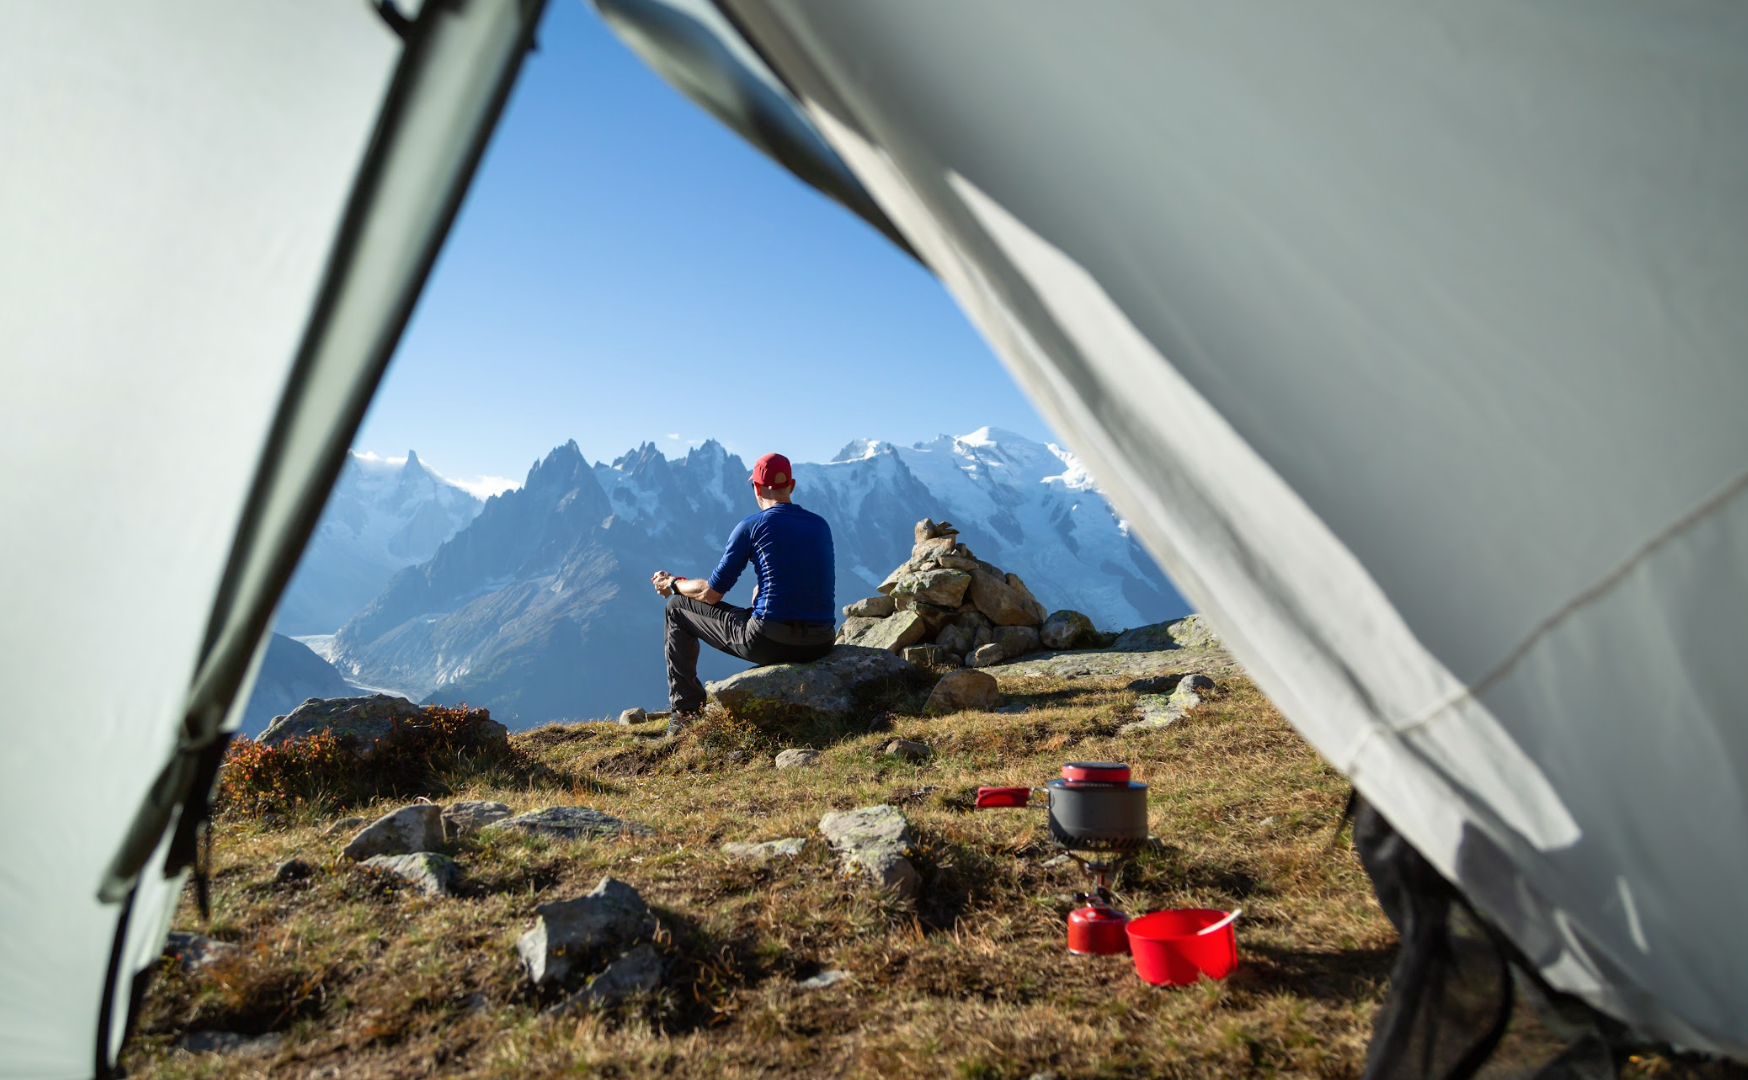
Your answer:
<point x="679" y="721"/>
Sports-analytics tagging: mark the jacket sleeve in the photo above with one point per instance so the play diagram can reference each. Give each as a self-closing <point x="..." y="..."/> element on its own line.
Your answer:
<point x="734" y="559"/>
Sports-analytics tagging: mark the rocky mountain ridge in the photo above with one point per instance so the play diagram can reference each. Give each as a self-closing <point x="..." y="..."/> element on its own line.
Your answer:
<point x="540" y="607"/>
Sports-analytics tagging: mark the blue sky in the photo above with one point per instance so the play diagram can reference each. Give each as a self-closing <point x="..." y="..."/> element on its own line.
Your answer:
<point x="626" y="269"/>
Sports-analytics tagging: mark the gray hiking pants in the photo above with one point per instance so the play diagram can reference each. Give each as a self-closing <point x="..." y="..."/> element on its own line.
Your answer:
<point x="733" y="630"/>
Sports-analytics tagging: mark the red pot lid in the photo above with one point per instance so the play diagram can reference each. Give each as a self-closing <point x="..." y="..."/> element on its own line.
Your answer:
<point x="1100" y="772"/>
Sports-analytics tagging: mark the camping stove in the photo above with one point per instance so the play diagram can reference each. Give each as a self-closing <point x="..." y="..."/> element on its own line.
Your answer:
<point x="1094" y="809"/>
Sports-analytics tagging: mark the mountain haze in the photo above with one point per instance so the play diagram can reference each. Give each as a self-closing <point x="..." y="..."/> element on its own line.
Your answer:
<point x="384" y="514"/>
<point x="541" y="607"/>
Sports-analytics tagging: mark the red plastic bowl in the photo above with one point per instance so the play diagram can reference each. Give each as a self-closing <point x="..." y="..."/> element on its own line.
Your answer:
<point x="1169" y="952"/>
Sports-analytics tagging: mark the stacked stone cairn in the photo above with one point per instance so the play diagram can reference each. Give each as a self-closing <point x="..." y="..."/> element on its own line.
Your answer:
<point x="947" y="608"/>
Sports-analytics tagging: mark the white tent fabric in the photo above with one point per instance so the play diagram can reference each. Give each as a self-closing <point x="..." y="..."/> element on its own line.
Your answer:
<point x="1411" y="339"/>
<point x="216" y="219"/>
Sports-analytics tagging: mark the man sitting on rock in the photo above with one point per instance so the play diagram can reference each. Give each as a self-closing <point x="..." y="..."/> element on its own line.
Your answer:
<point x="792" y="620"/>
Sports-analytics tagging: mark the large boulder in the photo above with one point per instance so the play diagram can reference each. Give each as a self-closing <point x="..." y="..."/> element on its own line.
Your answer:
<point x="962" y="690"/>
<point x="607" y="918"/>
<point x="829" y="689"/>
<point x="1067" y="630"/>
<point x="1189" y="632"/>
<point x="892" y="634"/>
<point x="381" y="719"/>
<point x="399" y="832"/>
<point x="874" y="842"/>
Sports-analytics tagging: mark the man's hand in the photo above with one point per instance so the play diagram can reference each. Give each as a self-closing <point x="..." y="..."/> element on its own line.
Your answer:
<point x="663" y="582"/>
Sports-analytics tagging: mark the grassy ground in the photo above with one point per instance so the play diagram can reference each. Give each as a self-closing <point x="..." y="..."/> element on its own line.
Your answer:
<point x="368" y="980"/>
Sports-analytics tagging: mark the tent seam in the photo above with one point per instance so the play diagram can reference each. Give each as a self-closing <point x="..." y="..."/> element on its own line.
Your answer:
<point x="1584" y="597"/>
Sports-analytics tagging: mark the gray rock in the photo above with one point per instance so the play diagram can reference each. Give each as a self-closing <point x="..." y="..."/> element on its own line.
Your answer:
<point x="1189" y="632"/>
<point x="368" y="721"/>
<point x="827" y="689"/>
<point x="955" y="639"/>
<point x="344" y="825"/>
<point x="963" y="690"/>
<point x="1190" y="690"/>
<point x="873" y="841"/>
<point x="985" y="635"/>
<point x="823" y="980"/>
<point x="1016" y="640"/>
<point x="571" y="823"/>
<point x="925" y="655"/>
<point x="634" y="716"/>
<point x="607" y="918"/>
<point x="945" y="588"/>
<point x="907" y="750"/>
<point x="985" y="655"/>
<point x="1067" y="630"/>
<point x="192" y="952"/>
<point x="293" y="870"/>
<point x="892" y="634"/>
<point x="789" y="847"/>
<point x="907" y="567"/>
<point x="873" y="607"/>
<point x="637" y="972"/>
<point x="229" y="1043"/>
<point x="411" y="828"/>
<point x="471" y="815"/>
<point x="426" y="871"/>
<point x="798" y="758"/>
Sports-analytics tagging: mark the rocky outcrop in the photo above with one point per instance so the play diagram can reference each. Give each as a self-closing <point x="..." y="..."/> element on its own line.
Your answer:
<point x="399" y="832"/>
<point x="874" y="842"/>
<point x="959" y="691"/>
<point x="571" y="823"/>
<point x="381" y="720"/>
<point x="1189" y="632"/>
<point x="946" y="596"/>
<point x="829" y="689"/>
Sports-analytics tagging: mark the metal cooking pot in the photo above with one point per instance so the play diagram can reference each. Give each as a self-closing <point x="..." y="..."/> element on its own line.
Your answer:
<point x="1094" y="806"/>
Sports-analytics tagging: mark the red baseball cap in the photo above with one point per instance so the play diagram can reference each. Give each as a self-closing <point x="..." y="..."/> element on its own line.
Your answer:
<point x="772" y="471"/>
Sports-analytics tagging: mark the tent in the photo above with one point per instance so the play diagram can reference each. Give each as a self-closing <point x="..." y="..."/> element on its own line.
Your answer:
<point x="1409" y="338"/>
